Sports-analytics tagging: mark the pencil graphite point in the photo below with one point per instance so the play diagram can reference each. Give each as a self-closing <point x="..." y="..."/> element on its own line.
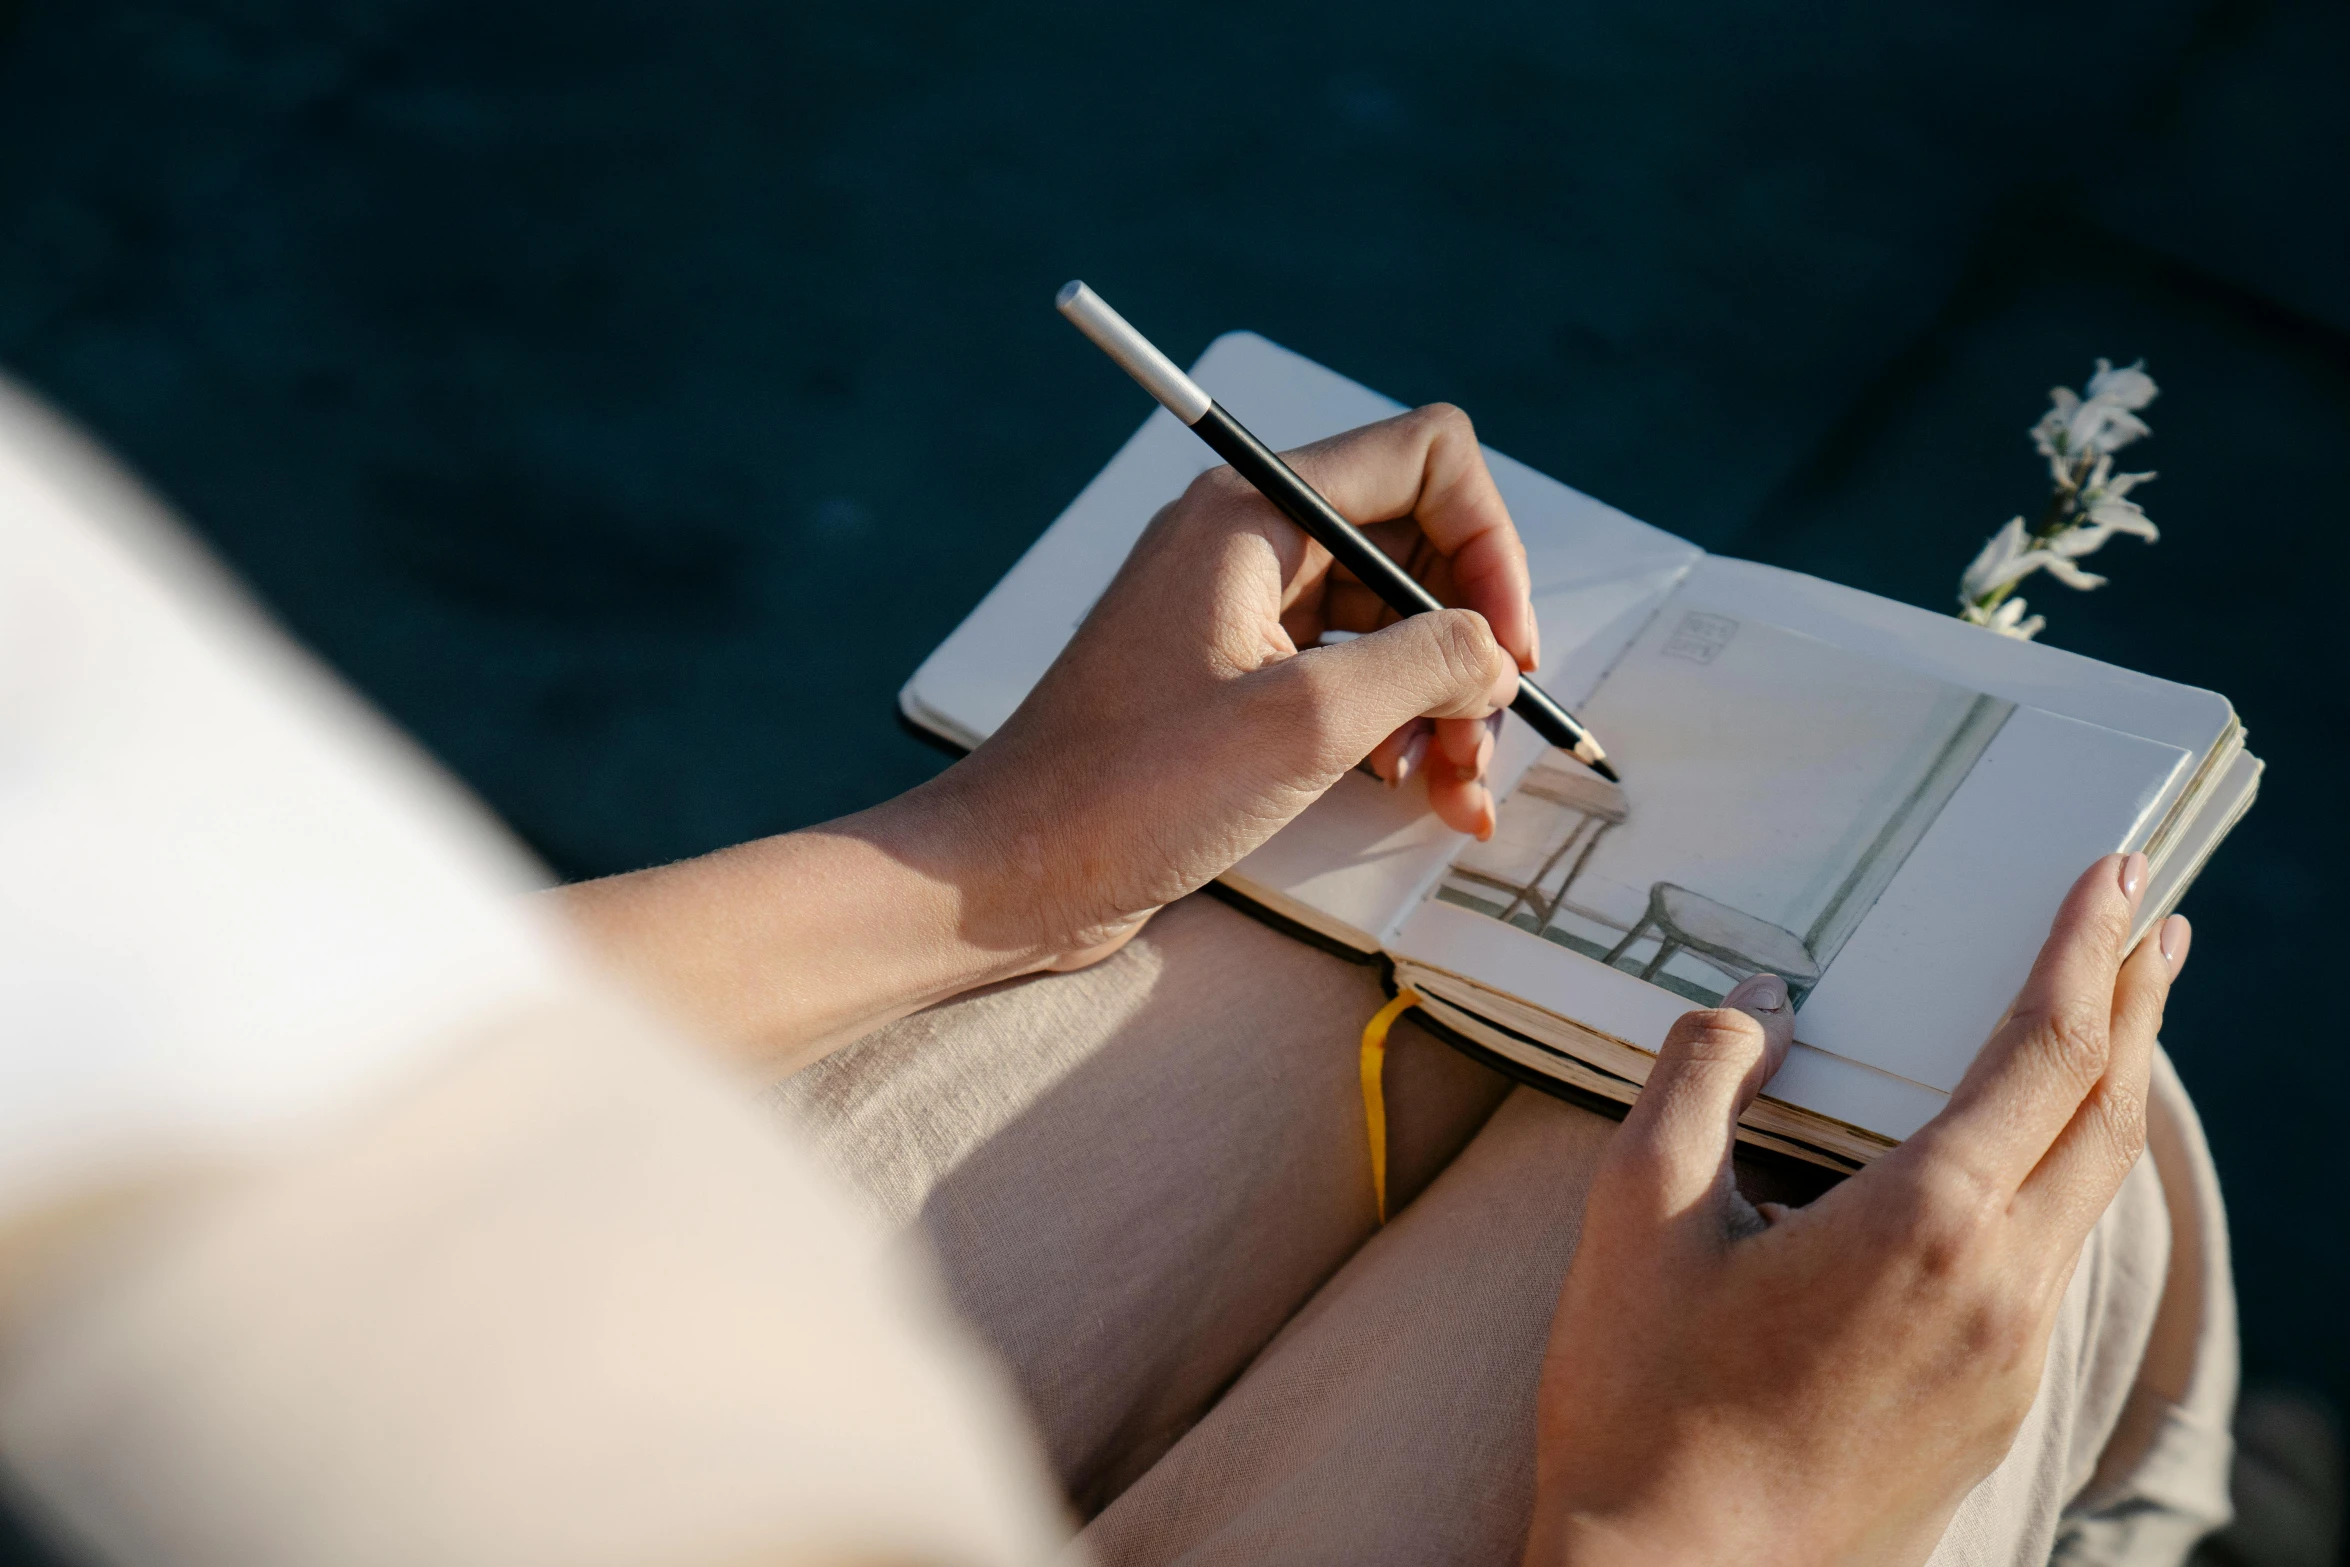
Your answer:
<point x="1587" y="752"/>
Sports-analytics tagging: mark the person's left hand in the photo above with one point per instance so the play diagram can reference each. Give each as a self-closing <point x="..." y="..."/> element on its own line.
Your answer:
<point x="1192" y="715"/>
<point x="1733" y="1384"/>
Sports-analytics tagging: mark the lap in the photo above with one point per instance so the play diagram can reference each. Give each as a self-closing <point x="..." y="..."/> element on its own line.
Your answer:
<point x="1132" y="1176"/>
<point x="1146" y="1187"/>
<point x="1393" y="1420"/>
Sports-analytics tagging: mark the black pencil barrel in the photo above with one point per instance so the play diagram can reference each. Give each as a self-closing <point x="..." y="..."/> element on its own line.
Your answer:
<point x="1373" y="566"/>
<point x="1254" y="461"/>
<point x="1554" y="723"/>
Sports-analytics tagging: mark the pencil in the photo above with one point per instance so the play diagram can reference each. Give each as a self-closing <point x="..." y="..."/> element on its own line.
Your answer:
<point x="1298" y="500"/>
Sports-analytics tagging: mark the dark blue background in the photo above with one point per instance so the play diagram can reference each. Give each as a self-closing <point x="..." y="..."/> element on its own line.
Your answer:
<point x="627" y="396"/>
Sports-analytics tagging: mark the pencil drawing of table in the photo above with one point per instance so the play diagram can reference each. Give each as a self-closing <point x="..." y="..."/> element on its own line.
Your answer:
<point x="1732" y="940"/>
<point x="1595" y="804"/>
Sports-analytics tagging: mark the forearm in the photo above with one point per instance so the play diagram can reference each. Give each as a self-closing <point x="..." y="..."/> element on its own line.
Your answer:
<point x="782" y="950"/>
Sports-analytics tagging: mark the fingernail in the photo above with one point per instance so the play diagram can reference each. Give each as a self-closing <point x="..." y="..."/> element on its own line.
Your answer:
<point x="1415" y="751"/>
<point x="1485" y="818"/>
<point x="1758" y="993"/>
<point x="2133" y="875"/>
<point x="2176" y="937"/>
<point x="1484" y="757"/>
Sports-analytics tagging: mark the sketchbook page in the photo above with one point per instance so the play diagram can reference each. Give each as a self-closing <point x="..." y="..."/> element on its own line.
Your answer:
<point x="1616" y="1003"/>
<point x="1926" y="976"/>
<point x="2025" y="673"/>
<point x="1598" y="579"/>
<point x="1366" y="855"/>
<point x="1361" y="855"/>
<point x="1790" y="805"/>
<point x="1893" y="1025"/>
<point x="1773" y="784"/>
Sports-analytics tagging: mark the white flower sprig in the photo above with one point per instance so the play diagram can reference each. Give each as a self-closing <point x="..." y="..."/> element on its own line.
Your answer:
<point x="2089" y="504"/>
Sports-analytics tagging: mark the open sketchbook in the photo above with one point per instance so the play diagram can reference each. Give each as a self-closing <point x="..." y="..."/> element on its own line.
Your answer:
<point x="1880" y="804"/>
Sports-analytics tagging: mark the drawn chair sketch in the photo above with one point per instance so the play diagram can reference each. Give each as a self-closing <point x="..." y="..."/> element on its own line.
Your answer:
<point x="1728" y="939"/>
<point x="1596" y="805"/>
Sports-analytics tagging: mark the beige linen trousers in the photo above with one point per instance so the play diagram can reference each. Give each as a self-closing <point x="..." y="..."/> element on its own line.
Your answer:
<point x="1147" y="1188"/>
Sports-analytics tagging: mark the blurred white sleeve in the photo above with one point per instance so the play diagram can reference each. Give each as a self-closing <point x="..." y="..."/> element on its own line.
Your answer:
<point x="230" y="898"/>
<point x="344" y="1217"/>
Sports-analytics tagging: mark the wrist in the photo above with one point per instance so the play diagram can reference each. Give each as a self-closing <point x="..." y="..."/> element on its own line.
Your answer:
<point x="1010" y="839"/>
<point x="781" y="950"/>
<point x="977" y="884"/>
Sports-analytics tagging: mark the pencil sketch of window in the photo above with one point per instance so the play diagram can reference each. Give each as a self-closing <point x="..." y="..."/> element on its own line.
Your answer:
<point x="1774" y="784"/>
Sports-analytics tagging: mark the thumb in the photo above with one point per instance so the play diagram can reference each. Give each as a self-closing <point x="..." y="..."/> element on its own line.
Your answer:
<point x="1441" y="664"/>
<point x="1674" y="1150"/>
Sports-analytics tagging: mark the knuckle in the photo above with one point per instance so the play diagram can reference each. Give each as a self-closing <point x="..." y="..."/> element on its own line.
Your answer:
<point x="1720" y="1034"/>
<point x="1463" y="642"/>
<point x="1939" y="1250"/>
<point x="2073" y="1037"/>
<point x="1996" y="1333"/>
<point x="2110" y="924"/>
<point x="1951" y="1218"/>
<point x="2121" y="1127"/>
<point x="1217" y="488"/>
<point x="1444" y="418"/>
<point x="2125" y="1118"/>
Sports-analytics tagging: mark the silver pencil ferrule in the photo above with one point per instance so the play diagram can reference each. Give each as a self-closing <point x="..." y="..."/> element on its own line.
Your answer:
<point x="1178" y="393"/>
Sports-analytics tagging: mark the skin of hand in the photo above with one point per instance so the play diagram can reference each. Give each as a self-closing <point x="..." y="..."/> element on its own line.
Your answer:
<point x="1824" y="1385"/>
<point x="1190" y="717"/>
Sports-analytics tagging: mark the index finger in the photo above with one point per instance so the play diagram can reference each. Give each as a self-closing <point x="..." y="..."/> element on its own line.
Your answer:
<point x="1426" y="465"/>
<point x="2092" y="1155"/>
<point x="2053" y="1045"/>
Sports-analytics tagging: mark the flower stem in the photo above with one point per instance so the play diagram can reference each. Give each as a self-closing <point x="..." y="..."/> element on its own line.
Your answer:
<point x="2064" y="500"/>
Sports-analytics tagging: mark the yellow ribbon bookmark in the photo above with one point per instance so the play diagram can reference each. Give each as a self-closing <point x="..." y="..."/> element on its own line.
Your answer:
<point x="1374" y="1064"/>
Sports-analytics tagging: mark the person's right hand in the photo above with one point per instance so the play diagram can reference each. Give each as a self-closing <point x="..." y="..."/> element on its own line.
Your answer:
<point x="1194" y="713"/>
<point x="1191" y="716"/>
<point x="1825" y="1384"/>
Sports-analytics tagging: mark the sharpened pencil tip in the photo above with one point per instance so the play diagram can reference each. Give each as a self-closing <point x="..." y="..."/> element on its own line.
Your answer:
<point x="1600" y="767"/>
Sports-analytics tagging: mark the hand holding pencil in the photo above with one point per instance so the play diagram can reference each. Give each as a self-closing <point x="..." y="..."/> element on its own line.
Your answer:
<point x="1298" y="500"/>
<point x="1193" y="715"/>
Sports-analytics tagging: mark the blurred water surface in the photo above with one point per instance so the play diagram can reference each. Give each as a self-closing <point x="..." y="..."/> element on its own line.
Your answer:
<point x="626" y="397"/>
